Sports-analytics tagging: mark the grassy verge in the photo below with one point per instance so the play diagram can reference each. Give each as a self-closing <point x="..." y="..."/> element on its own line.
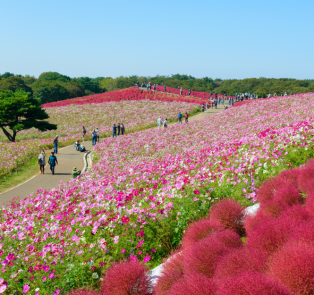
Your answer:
<point x="24" y="173"/>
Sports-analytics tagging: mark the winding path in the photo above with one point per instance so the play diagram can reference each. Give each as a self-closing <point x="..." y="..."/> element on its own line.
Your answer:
<point x="68" y="158"/>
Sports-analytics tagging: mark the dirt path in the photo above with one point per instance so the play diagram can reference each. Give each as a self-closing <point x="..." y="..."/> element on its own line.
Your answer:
<point x="68" y="158"/>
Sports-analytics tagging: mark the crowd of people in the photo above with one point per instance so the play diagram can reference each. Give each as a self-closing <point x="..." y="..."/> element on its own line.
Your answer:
<point x="164" y="123"/>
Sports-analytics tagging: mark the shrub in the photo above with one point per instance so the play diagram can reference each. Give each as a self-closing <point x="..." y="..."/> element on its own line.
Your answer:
<point x="289" y="195"/>
<point x="310" y="203"/>
<point x="239" y="261"/>
<point x="251" y="221"/>
<point x="126" y="278"/>
<point x="166" y="281"/>
<point x="172" y="271"/>
<point x="270" y="235"/>
<point x="249" y="283"/>
<point x="83" y="292"/>
<point x="194" y="284"/>
<point x="290" y="175"/>
<point x="304" y="233"/>
<point x="197" y="231"/>
<point x="297" y="213"/>
<point x="267" y="191"/>
<point x="273" y="207"/>
<point x="229" y="215"/>
<point x="306" y="180"/>
<point x="203" y="256"/>
<point x="293" y="266"/>
<point x="228" y="237"/>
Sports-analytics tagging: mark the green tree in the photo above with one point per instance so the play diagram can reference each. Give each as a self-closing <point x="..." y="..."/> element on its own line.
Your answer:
<point x="18" y="112"/>
<point x="6" y="75"/>
<point x="28" y="80"/>
<point x="53" y="76"/>
<point x="14" y="83"/>
<point x="88" y="84"/>
<point x="74" y="89"/>
<point x="50" y="91"/>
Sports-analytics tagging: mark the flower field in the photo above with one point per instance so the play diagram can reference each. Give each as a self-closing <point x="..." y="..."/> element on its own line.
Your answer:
<point x="135" y="115"/>
<point x="143" y="190"/>
<point x="133" y="94"/>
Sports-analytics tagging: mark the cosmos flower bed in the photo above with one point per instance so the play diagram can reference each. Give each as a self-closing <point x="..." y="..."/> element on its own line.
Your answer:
<point x="135" y="116"/>
<point x="144" y="189"/>
<point x="132" y="93"/>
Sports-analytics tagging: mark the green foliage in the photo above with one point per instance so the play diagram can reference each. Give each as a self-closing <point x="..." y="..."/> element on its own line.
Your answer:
<point x="14" y="83"/>
<point x="53" y="76"/>
<point x="50" y="91"/>
<point x="74" y="89"/>
<point x="88" y="84"/>
<point x="18" y="112"/>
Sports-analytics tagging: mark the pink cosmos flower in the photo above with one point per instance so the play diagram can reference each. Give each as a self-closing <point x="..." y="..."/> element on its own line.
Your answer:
<point x="153" y="250"/>
<point x="123" y="250"/>
<point x="51" y="275"/>
<point x="46" y="268"/>
<point x="26" y="288"/>
<point x="2" y="288"/>
<point x="196" y="192"/>
<point x="44" y="279"/>
<point x="147" y="258"/>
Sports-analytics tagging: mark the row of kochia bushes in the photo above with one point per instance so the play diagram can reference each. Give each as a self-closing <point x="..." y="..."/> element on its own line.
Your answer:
<point x="270" y="252"/>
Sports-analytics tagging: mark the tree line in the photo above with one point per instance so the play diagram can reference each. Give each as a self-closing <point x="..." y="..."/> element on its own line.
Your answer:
<point x="53" y="86"/>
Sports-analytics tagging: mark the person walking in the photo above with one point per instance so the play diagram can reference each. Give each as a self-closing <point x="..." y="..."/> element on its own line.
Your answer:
<point x="42" y="162"/>
<point x="75" y="172"/>
<point x="122" y="129"/>
<point x="203" y="108"/>
<point x="55" y="144"/>
<point x="180" y="118"/>
<point x="181" y="91"/>
<point x="118" y="129"/>
<point x="189" y="92"/>
<point x="165" y="88"/>
<point x="94" y="137"/>
<point x="83" y="132"/>
<point x="159" y="122"/>
<point x="166" y="123"/>
<point x="97" y="134"/>
<point x="114" y="130"/>
<point x="186" y="117"/>
<point x="216" y="103"/>
<point x="52" y="162"/>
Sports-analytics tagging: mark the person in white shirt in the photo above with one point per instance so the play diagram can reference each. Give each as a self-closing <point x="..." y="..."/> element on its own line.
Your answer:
<point x="159" y="122"/>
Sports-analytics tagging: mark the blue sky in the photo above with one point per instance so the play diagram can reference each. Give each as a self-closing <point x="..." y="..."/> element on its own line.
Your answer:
<point x="218" y="39"/>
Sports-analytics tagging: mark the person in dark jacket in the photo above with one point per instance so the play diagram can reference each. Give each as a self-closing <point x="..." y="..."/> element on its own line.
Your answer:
<point x="55" y="144"/>
<point x="122" y="129"/>
<point x="52" y="162"/>
<point x="114" y="130"/>
<point x="118" y="128"/>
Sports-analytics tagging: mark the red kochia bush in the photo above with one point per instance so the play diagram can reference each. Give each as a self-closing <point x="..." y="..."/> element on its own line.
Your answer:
<point x="273" y="208"/>
<point x="250" y="283"/>
<point x="289" y="195"/>
<point x="267" y="191"/>
<point x="83" y="292"/>
<point x="293" y="266"/>
<point x="194" y="284"/>
<point x="296" y="212"/>
<point x="228" y="237"/>
<point x="239" y="261"/>
<point x="270" y="235"/>
<point x="310" y="203"/>
<point x="228" y="214"/>
<point x="251" y="221"/>
<point x="203" y="256"/>
<point x="126" y="278"/>
<point x="306" y="179"/>
<point x="172" y="271"/>
<point x="197" y="231"/>
<point x="290" y="175"/>
<point x="304" y="233"/>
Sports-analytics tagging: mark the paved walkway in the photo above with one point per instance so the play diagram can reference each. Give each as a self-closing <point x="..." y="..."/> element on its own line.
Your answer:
<point x="68" y="158"/>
